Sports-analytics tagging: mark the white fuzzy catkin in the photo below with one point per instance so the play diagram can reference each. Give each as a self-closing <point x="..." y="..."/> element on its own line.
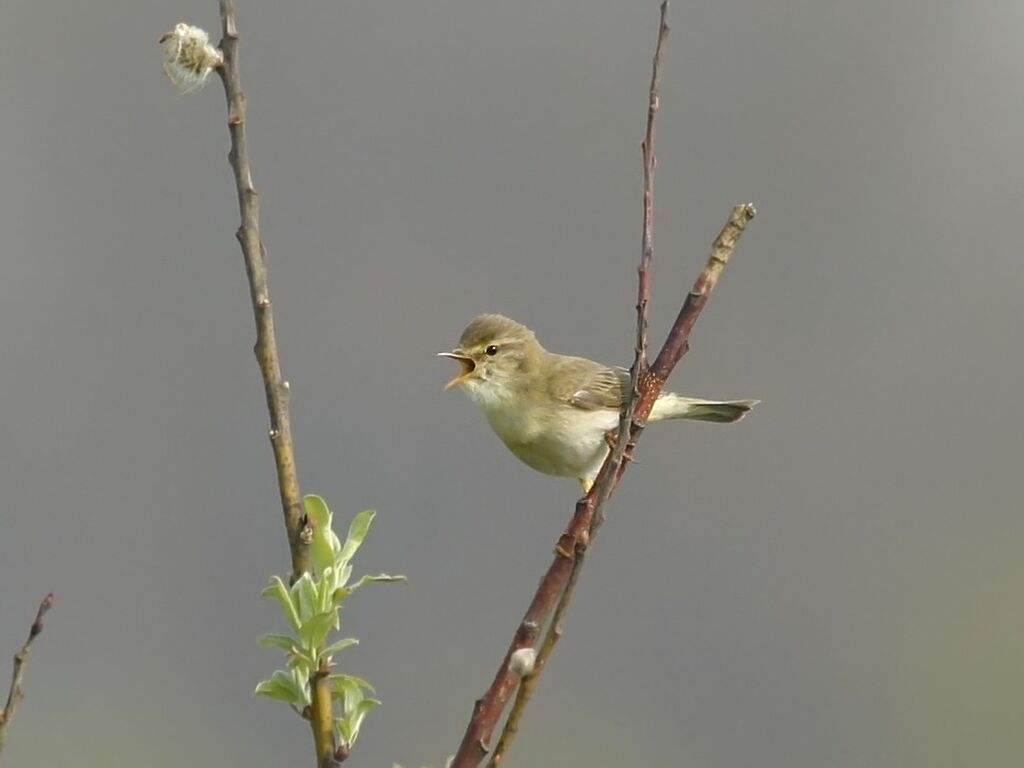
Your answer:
<point x="189" y="58"/>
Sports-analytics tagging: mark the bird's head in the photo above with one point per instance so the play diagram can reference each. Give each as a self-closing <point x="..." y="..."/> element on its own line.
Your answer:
<point x="497" y="356"/>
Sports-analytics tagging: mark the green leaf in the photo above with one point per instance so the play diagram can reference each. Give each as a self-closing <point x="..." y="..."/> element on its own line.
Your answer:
<point x="349" y="687"/>
<point x="342" y="574"/>
<point x="352" y="694"/>
<point x="338" y="645"/>
<point x="315" y="630"/>
<point x="303" y="593"/>
<point x="325" y="588"/>
<point x="302" y="661"/>
<point x="378" y="577"/>
<point x="283" y="686"/>
<point x="275" y="690"/>
<point x="286" y="643"/>
<point x="357" y="531"/>
<point x="346" y="730"/>
<point x="353" y="720"/>
<point x="279" y="592"/>
<point x="325" y="545"/>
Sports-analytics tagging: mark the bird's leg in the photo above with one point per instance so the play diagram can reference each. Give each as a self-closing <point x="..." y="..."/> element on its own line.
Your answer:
<point x="611" y="437"/>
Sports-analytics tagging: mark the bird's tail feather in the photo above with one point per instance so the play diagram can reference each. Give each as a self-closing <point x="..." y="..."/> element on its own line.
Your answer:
<point x="673" y="406"/>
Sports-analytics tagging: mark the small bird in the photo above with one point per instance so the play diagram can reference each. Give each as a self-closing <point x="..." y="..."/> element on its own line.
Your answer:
<point x="554" y="412"/>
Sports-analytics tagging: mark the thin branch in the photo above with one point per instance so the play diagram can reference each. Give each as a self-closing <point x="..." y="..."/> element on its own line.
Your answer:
<point x="587" y="518"/>
<point x="638" y="370"/>
<point x="275" y="387"/>
<point x="676" y="344"/>
<point x="647" y="237"/>
<point x="624" y="440"/>
<point x="15" y="694"/>
<point x="321" y="718"/>
<point x="529" y="682"/>
<point x="558" y="584"/>
<point x="253" y="252"/>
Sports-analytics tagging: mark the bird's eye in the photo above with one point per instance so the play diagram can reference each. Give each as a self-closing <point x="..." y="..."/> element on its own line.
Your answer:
<point x="492" y="350"/>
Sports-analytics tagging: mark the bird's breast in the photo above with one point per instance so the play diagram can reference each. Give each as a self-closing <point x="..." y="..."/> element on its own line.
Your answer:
<point x="561" y="441"/>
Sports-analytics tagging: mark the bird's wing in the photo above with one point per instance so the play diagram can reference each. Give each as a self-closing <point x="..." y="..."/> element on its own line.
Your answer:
<point x="589" y="385"/>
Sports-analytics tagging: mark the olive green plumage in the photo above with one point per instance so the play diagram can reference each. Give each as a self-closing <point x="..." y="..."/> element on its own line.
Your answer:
<point x="554" y="411"/>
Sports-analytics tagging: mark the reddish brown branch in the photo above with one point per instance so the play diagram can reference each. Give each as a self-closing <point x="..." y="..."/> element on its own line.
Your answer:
<point x="603" y="487"/>
<point x="585" y="521"/>
<point x="557" y="586"/>
<point x="638" y="370"/>
<point x="589" y="513"/>
<point x="15" y="694"/>
<point x="676" y="345"/>
<point x="530" y="680"/>
<point x="647" y="236"/>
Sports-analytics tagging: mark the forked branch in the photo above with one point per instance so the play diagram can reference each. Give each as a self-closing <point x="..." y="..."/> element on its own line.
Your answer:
<point x="558" y="584"/>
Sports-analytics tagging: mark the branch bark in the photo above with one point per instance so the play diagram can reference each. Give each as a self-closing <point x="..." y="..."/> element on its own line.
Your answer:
<point x="15" y="693"/>
<point x="275" y="386"/>
<point x="248" y="234"/>
<point x="558" y="584"/>
<point x="624" y="441"/>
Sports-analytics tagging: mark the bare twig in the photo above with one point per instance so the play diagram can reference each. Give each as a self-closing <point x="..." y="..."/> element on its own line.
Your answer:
<point x="676" y="344"/>
<point x="558" y="584"/>
<point x="253" y="252"/>
<point x="276" y="388"/>
<point x="529" y="681"/>
<point x="15" y="694"/>
<point x="624" y="441"/>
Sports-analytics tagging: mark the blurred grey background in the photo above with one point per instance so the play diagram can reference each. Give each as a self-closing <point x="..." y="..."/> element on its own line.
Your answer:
<point x="834" y="582"/>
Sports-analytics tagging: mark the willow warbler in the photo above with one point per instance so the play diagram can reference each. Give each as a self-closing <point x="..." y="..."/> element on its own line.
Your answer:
<point x="556" y="412"/>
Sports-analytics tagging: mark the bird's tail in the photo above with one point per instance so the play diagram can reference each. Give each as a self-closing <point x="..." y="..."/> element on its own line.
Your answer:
<point x="673" y="406"/>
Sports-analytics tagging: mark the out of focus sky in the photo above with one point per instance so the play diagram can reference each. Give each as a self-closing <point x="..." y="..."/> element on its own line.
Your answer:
<point x="834" y="582"/>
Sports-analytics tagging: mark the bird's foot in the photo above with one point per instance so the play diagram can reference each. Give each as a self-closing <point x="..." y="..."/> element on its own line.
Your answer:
<point x="611" y="437"/>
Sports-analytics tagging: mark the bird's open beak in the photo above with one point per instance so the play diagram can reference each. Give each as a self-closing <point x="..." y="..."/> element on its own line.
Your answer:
<point x="468" y="366"/>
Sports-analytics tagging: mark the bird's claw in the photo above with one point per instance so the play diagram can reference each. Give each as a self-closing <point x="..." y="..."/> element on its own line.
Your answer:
<point x="611" y="437"/>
